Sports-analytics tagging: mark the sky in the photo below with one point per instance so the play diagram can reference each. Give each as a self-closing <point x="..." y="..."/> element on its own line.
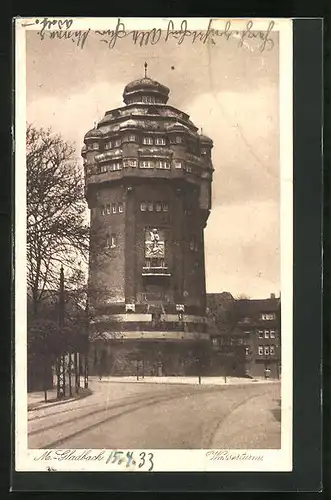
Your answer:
<point x="230" y="92"/>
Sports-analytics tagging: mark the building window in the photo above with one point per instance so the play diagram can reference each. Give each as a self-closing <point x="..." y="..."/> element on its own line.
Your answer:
<point x="260" y="350"/>
<point x="160" y="141"/>
<point x="108" y="208"/>
<point x="215" y="341"/>
<point x="164" y="207"/>
<point x="266" y="334"/>
<point x="203" y="151"/>
<point x="188" y="168"/>
<point x="163" y="164"/>
<point x="116" y="166"/>
<point x="193" y="244"/>
<point x="113" y="241"/>
<point x="266" y="350"/>
<point x="272" y="350"/>
<point x="143" y="206"/>
<point x="103" y="169"/>
<point x="150" y="206"/>
<point x="103" y="210"/>
<point x="148" y="99"/>
<point x="272" y="334"/>
<point x="130" y="163"/>
<point x="146" y="164"/>
<point x="113" y="206"/>
<point x="178" y="164"/>
<point x="158" y="207"/>
<point x="178" y="139"/>
<point x="247" y="351"/>
<point x="131" y="138"/>
<point x="147" y="140"/>
<point x="95" y="145"/>
<point x="260" y="332"/>
<point x="117" y="143"/>
<point x="120" y="207"/>
<point x="108" y="145"/>
<point x="268" y="316"/>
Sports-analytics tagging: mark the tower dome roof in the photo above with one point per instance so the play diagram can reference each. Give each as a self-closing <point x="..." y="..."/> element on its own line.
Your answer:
<point x="94" y="133"/>
<point x="146" y="86"/>
<point x="130" y="124"/>
<point x="177" y="126"/>
<point x="204" y="138"/>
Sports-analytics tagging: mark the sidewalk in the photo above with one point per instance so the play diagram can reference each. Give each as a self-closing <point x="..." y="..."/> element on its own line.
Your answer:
<point x="36" y="400"/>
<point x="186" y="380"/>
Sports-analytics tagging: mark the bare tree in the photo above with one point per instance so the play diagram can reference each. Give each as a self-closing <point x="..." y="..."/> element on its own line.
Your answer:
<point x="57" y="228"/>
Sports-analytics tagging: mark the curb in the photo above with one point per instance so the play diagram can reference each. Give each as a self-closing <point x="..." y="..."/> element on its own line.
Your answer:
<point x="43" y="404"/>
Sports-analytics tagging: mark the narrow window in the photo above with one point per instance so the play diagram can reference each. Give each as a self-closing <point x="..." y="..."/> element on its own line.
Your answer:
<point x="113" y="206"/>
<point x="103" y="210"/>
<point x="120" y="207"/>
<point x="150" y="206"/>
<point x="272" y="334"/>
<point x="266" y="350"/>
<point x="108" y="209"/>
<point x="95" y="145"/>
<point x="272" y="350"/>
<point x="113" y="241"/>
<point x="158" y="207"/>
<point x="260" y="350"/>
<point x="164" y="207"/>
<point x="266" y="334"/>
<point x="260" y="334"/>
<point x="143" y="206"/>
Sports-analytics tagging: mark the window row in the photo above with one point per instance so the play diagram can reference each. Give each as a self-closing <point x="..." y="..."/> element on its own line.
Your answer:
<point x="146" y="141"/>
<point x="111" y="241"/>
<point x="267" y="350"/>
<point x="112" y="208"/>
<point x="156" y="206"/>
<point x="268" y="316"/>
<point x="267" y="334"/>
<point x="112" y="167"/>
<point x="159" y="164"/>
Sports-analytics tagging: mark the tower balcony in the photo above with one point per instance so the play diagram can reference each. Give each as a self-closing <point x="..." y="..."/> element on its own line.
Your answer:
<point x="155" y="267"/>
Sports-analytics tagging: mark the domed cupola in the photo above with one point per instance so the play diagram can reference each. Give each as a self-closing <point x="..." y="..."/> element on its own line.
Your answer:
<point x="130" y="124"/>
<point x="205" y="140"/>
<point x="94" y="133"/>
<point x="177" y="126"/>
<point x="145" y="90"/>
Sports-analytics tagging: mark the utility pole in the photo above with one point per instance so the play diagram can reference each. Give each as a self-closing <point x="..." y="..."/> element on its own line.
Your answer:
<point x="61" y="359"/>
<point x="85" y="349"/>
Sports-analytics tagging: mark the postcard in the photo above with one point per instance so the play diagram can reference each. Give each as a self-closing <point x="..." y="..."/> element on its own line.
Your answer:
<point x="153" y="244"/>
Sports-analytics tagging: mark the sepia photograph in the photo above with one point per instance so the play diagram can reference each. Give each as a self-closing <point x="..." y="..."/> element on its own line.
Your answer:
<point x="153" y="244"/>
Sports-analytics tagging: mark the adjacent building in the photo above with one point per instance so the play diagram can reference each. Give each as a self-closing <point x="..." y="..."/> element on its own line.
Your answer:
<point x="246" y="336"/>
<point x="148" y="174"/>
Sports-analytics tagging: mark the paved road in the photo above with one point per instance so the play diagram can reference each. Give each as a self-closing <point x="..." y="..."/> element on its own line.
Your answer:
<point x="135" y="416"/>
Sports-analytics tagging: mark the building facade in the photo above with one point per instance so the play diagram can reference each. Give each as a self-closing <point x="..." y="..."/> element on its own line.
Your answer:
<point x="246" y="336"/>
<point x="148" y="175"/>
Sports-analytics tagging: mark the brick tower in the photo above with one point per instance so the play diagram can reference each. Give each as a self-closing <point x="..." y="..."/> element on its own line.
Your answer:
<point x="148" y="175"/>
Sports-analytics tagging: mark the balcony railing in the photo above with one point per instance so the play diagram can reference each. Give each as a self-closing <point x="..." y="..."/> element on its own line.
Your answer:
<point x="155" y="271"/>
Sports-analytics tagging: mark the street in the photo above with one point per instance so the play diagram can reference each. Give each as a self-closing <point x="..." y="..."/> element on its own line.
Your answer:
<point x="124" y="415"/>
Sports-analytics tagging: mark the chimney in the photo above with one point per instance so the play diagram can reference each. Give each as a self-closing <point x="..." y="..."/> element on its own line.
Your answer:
<point x="272" y="296"/>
